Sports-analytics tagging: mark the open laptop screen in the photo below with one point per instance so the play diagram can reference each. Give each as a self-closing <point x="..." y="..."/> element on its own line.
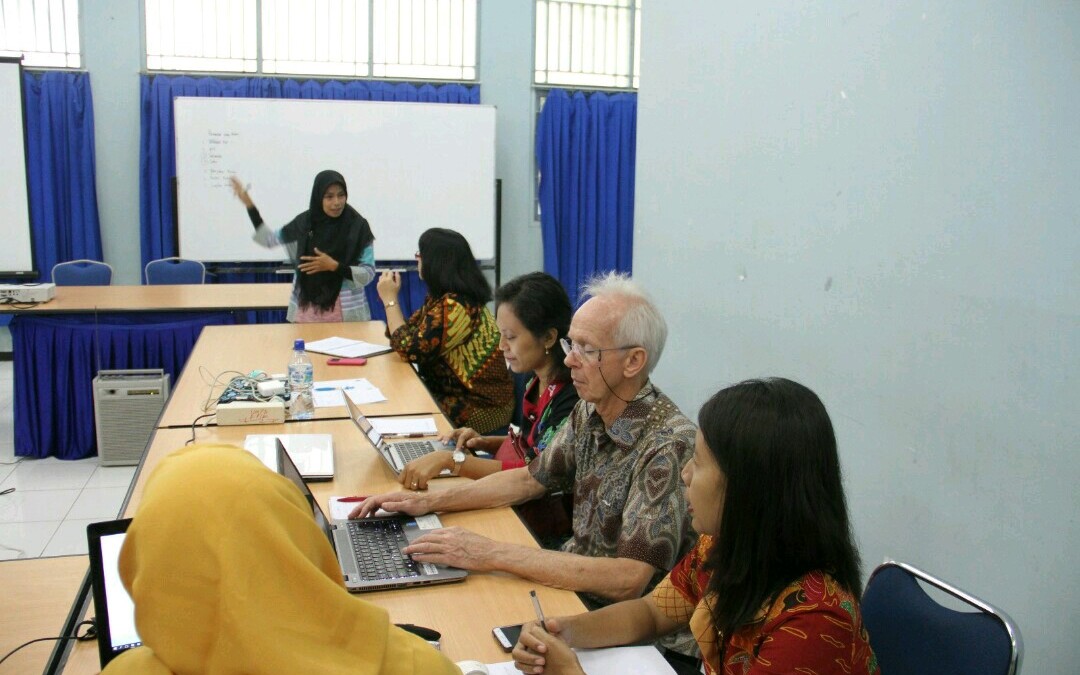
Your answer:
<point x="362" y="422"/>
<point x="287" y="468"/>
<point x="113" y="607"/>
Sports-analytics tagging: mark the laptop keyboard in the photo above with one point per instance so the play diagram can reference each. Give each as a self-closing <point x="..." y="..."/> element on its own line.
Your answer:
<point x="378" y="545"/>
<point x="411" y="450"/>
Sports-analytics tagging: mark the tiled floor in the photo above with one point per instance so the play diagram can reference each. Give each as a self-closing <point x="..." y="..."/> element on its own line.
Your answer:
<point x="53" y="500"/>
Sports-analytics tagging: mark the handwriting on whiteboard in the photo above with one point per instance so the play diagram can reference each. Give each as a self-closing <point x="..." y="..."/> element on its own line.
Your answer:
<point x="217" y="167"/>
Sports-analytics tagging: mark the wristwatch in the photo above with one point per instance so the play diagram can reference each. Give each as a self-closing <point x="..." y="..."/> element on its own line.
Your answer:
<point x="459" y="459"/>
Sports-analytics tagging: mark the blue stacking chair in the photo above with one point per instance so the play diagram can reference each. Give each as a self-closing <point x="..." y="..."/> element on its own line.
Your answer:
<point x="82" y="273"/>
<point x="175" y="271"/>
<point x="912" y="634"/>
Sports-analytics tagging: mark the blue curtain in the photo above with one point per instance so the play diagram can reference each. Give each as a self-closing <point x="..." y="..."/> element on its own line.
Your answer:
<point x="157" y="155"/>
<point x="60" y="163"/>
<point x="57" y="358"/>
<point x="585" y="149"/>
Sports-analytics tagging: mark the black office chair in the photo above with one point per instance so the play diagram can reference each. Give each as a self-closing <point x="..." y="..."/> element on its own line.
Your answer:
<point x="912" y="634"/>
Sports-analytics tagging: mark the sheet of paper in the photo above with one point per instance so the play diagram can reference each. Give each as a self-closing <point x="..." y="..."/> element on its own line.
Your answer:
<point x="397" y="426"/>
<point x="339" y="346"/>
<point x="330" y="393"/>
<point x="363" y="395"/>
<point x="611" y="661"/>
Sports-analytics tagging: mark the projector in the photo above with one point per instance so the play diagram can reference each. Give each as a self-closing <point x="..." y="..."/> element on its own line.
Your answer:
<point x="31" y="293"/>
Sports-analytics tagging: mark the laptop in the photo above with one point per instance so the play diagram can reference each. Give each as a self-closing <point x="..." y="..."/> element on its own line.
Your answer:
<point x="113" y="607"/>
<point x="396" y="454"/>
<point x="369" y="550"/>
<point x="313" y="454"/>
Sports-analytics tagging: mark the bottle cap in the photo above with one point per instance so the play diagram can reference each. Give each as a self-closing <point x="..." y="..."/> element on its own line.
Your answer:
<point x="298" y="345"/>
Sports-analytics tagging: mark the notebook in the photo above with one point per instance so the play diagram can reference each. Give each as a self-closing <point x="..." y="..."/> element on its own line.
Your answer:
<point x="396" y="454"/>
<point x="113" y="607"/>
<point x="347" y="349"/>
<point x="369" y="550"/>
<point x="313" y="454"/>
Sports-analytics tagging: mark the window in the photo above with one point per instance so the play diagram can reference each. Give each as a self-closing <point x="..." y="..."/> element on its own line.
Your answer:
<point x="45" y="32"/>
<point x="400" y="39"/>
<point x="201" y="35"/>
<point x="588" y="43"/>
<point x="425" y="39"/>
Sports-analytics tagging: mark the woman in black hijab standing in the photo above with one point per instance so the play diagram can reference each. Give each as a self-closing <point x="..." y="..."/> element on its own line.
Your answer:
<point x="331" y="246"/>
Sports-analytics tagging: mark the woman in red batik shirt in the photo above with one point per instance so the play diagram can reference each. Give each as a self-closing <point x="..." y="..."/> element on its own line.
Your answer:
<point x="533" y="313"/>
<point x="773" y="584"/>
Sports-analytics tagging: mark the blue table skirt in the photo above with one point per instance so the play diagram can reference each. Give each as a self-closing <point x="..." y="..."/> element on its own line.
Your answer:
<point x="57" y="358"/>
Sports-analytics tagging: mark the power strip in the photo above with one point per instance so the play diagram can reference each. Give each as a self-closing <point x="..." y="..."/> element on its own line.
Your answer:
<point x="251" y="412"/>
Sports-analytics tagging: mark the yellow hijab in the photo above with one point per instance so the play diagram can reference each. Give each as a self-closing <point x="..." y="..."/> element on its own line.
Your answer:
<point x="230" y="574"/>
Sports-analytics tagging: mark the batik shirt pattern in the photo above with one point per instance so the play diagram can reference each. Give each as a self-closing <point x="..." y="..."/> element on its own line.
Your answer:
<point x="814" y="626"/>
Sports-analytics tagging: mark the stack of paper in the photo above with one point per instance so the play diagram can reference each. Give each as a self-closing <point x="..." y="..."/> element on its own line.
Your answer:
<point x="345" y="348"/>
<point x="404" y="426"/>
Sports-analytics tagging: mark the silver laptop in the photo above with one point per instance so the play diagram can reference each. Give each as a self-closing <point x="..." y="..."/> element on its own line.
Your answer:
<point x="313" y="454"/>
<point x="396" y="454"/>
<point x="369" y="550"/>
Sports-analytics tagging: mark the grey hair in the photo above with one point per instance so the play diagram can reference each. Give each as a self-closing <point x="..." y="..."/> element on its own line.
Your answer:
<point x="641" y="324"/>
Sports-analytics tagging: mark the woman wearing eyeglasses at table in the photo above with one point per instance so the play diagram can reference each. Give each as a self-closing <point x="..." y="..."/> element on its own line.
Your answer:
<point x="452" y="338"/>
<point x="533" y="313"/>
<point x="772" y="585"/>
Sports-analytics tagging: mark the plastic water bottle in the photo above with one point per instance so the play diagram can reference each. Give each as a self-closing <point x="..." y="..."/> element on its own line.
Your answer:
<point x="301" y="374"/>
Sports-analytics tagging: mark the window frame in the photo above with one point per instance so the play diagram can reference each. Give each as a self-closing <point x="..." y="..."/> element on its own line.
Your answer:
<point x="636" y="10"/>
<point x="369" y="66"/>
<point x="77" y="53"/>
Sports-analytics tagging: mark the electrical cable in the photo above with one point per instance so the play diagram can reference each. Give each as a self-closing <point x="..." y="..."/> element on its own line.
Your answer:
<point x="89" y="634"/>
<point x="193" y="423"/>
<point x="11" y="302"/>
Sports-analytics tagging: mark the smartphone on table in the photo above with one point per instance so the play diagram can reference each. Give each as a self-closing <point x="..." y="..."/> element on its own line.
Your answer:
<point x="507" y="636"/>
<point x="356" y="361"/>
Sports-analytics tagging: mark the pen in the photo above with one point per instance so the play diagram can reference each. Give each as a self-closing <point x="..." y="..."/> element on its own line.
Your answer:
<point x="412" y="435"/>
<point x="539" y="612"/>
<point x="358" y="498"/>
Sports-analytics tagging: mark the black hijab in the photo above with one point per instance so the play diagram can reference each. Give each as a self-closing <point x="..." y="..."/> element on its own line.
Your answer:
<point x="343" y="239"/>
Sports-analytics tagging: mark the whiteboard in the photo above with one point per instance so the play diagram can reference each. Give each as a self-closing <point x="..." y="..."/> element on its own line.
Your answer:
<point x="409" y="167"/>
<point x="16" y="255"/>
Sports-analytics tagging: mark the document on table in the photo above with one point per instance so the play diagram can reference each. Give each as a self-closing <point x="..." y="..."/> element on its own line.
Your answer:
<point x="612" y="661"/>
<point x="331" y="393"/>
<point x="349" y="349"/>
<point x="397" y="426"/>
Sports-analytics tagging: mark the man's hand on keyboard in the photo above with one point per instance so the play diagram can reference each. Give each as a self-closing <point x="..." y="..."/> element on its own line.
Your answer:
<point x="456" y="547"/>
<point x="412" y="503"/>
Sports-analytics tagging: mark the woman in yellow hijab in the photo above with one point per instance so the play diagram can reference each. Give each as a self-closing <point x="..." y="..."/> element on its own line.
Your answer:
<point x="230" y="574"/>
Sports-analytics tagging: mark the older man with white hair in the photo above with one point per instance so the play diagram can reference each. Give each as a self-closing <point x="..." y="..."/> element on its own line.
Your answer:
<point x="620" y="453"/>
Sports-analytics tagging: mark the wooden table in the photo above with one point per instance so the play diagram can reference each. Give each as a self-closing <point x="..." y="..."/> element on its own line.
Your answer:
<point x="165" y="298"/>
<point x="35" y="598"/>
<point x="463" y="612"/>
<point x="224" y="351"/>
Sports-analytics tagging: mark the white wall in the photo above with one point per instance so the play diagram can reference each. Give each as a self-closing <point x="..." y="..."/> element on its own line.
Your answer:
<point x="879" y="200"/>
